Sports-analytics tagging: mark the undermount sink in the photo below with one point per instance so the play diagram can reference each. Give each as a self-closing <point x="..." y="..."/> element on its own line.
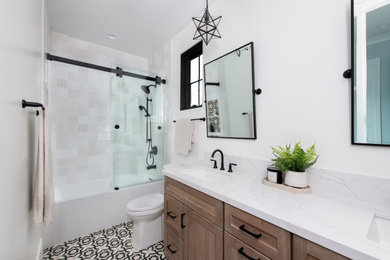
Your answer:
<point x="379" y="230"/>
<point x="205" y="174"/>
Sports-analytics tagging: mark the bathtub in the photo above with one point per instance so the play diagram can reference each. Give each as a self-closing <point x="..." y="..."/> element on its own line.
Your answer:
<point x="81" y="190"/>
<point x="91" y="188"/>
<point x="87" y="209"/>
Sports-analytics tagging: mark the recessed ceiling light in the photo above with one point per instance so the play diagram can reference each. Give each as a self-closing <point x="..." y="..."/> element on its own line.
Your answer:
<point x="111" y="36"/>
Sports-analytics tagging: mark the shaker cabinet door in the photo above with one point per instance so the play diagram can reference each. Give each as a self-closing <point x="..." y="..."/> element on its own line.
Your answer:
<point x="202" y="239"/>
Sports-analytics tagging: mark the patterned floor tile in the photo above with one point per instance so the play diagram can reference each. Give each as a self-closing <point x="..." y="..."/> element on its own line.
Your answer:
<point x="111" y="243"/>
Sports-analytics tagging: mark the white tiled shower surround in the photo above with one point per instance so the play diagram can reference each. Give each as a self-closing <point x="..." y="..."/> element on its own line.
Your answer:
<point x="80" y="110"/>
<point x="160" y="63"/>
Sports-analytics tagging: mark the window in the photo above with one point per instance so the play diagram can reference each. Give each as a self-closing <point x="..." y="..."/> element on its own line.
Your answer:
<point x="191" y="91"/>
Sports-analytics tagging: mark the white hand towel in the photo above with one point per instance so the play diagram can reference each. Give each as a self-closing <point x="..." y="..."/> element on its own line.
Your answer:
<point x="43" y="197"/>
<point x="184" y="136"/>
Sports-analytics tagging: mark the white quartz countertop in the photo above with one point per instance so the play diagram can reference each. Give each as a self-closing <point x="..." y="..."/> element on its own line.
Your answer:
<point x="331" y="224"/>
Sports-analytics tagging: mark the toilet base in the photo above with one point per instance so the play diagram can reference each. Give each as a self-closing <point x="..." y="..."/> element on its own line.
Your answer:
<point x="147" y="232"/>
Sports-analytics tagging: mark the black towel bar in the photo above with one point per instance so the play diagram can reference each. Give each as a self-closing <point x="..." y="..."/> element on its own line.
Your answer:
<point x="195" y="119"/>
<point x="31" y="104"/>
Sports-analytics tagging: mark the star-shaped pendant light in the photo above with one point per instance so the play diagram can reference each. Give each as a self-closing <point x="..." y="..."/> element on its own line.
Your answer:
<point x="206" y="27"/>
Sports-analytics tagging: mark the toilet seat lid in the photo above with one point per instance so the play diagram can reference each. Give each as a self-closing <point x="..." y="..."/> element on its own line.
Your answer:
<point x="146" y="202"/>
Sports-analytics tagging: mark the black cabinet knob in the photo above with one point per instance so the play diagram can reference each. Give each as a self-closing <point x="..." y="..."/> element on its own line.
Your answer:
<point x="257" y="91"/>
<point x="116" y="126"/>
<point x="347" y="74"/>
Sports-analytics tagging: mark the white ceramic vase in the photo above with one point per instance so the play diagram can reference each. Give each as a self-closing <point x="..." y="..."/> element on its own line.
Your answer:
<point x="296" y="179"/>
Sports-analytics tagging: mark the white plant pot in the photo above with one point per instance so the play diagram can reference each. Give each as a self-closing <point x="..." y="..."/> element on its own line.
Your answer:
<point x="296" y="179"/>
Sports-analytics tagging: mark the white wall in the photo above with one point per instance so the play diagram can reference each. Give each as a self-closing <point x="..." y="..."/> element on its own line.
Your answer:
<point x="21" y="45"/>
<point x="301" y="49"/>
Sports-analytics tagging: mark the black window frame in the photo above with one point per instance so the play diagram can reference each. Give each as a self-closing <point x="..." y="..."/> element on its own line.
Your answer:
<point x="185" y="76"/>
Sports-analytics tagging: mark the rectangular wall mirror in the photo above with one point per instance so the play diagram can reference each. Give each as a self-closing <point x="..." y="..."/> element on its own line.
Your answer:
<point x="229" y="91"/>
<point x="371" y="72"/>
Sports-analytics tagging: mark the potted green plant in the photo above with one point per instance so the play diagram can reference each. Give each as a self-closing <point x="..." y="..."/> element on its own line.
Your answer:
<point x="294" y="163"/>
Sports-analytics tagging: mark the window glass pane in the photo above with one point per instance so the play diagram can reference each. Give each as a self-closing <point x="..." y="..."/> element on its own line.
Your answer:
<point x="194" y="66"/>
<point x="194" y="94"/>
<point x="201" y="66"/>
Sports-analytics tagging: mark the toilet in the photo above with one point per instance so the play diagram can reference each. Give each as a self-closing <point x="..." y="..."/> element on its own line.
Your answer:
<point x="146" y="212"/>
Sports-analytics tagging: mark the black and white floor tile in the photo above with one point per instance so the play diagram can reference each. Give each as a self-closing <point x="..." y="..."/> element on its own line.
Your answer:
<point x="109" y="244"/>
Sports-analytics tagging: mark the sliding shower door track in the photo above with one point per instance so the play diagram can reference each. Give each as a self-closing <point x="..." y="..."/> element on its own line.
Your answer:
<point x="119" y="72"/>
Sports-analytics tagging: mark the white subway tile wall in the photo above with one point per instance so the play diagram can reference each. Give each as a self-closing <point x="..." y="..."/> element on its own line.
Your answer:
<point x="80" y="109"/>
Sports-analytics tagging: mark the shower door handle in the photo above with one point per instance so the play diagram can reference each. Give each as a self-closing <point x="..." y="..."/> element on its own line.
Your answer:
<point x="181" y="220"/>
<point x="116" y="126"/>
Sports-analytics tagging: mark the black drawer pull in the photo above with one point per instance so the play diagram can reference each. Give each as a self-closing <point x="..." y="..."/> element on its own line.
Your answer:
<point x="171" y="216"/>
<point x="241" y="251"/>
<point x="257" y="236"/>
<point x="181" y="220"/>
<point x="170" y="250"/>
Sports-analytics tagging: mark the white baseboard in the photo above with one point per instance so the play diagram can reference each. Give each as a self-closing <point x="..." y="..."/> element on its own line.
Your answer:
<point x="40" y="250"/>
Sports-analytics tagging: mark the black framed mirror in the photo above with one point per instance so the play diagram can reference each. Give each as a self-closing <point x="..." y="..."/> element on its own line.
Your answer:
<point x="230" y="95"/>
<point x="370" y="72"/>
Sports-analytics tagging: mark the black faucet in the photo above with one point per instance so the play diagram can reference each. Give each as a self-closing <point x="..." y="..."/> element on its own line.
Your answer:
<point x="222" y="163"/>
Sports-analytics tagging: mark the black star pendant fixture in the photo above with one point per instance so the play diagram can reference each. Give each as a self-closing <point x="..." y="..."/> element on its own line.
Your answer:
<point x="206" y="26"/>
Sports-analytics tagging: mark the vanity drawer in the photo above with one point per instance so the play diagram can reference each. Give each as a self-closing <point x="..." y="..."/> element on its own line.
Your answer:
<point x="305" y="249"/>
<point x="204" y="205"/>
<point x="173" y="211"/>
<point x="173" y="244"/>
<point x="270" y="240"/>
<point x="237" y="250"/>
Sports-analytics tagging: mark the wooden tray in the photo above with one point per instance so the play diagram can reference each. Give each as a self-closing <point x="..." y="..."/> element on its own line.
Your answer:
<point x="306" y="190"/>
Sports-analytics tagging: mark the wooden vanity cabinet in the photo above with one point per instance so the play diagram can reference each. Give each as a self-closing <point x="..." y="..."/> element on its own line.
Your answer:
<point x="268" y="239"/>
<point x="200" y="227"/>
<point x="173" y="244"/>
<point x="202" y="238"/>
<point x="193" y="224"/>
<point x="235" y="249"/>
<point x="174" y="212"/>
<point x="305" y="249"/>
<point x="203" y="204"/>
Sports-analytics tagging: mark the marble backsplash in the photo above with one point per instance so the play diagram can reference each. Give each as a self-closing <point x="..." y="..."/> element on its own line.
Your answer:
<point x="368" y="192"/>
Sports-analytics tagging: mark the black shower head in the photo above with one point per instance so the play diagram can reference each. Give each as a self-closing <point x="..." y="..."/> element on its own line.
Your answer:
<point x="143" y="108"/>
<point x="146" y="89"/>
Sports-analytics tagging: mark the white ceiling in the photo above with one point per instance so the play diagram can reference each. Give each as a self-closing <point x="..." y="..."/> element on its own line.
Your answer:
<point x="378" y="22"/>
<point x="141" y="26"/>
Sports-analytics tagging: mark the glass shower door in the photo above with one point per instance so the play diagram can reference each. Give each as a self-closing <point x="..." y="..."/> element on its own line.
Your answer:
<point x="137" y="131"/>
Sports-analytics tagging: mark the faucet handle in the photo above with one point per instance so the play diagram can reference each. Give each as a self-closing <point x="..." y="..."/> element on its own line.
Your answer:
<point x="215" y="163"/>
<point x="230" y="166"/>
